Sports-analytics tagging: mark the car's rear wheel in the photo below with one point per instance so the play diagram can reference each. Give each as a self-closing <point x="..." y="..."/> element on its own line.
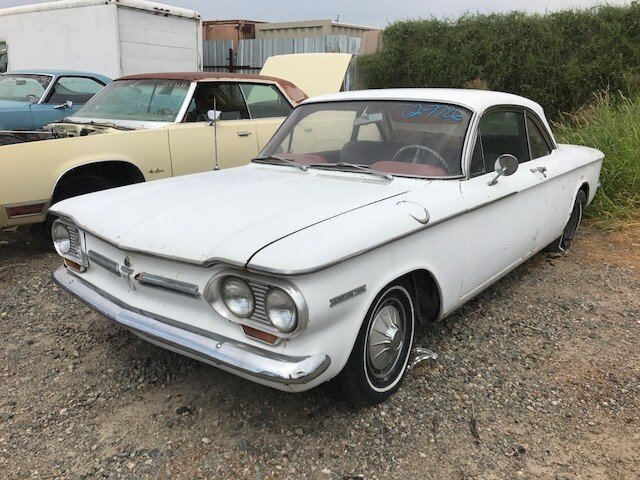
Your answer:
<point x="74" y="187"/>
<point x="379" y="358"/>
<point x="563" y="243"/>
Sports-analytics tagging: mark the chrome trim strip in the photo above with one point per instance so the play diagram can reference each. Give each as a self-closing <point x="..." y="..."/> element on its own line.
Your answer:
<point x="169" y="284"/>
<point x="275" y="271"/>
<point x="104" y="262"/>
<point x="180" y="117"/>
<point x="202" y="345"/>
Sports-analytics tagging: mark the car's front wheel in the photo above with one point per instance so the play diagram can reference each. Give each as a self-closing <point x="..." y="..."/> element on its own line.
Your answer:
<point x="381" y="352"/>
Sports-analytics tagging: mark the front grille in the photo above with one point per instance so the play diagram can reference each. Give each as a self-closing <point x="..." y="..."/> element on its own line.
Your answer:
<point x="259" y="292"/>
<point x="74" y="237"/>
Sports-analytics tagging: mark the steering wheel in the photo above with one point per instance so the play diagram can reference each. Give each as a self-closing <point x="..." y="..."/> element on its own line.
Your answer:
<point x="420" y="150"/>
<point x="32" y="98"/>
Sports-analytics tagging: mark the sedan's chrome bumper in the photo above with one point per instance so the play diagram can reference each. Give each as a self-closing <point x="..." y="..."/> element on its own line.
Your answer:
<point x="196" y="343"/>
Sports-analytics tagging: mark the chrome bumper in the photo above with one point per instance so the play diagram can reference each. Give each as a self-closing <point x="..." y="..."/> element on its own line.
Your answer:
<point x="193" y="342"/>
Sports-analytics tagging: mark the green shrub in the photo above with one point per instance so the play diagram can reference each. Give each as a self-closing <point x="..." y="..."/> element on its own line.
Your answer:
<point x="612" y="125"/>
<point x="558" y="59"/>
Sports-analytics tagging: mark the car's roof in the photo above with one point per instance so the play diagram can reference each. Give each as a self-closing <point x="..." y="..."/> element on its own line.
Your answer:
<point x="294" y="93"/>
<point x="58" y="73"/>
<point x="476" y="100"/>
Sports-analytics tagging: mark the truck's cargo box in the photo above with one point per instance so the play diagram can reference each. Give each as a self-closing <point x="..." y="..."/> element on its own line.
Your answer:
<point x="112" y="37"/>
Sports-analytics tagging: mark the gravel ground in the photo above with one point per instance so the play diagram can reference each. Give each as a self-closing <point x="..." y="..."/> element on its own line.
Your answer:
<point x="539" y="377"/>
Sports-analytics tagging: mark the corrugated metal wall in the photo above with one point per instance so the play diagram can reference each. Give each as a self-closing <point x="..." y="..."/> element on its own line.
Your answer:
<point x="253" y="53"/>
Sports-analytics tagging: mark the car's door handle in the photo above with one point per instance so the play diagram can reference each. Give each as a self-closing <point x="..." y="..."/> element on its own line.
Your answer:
<point x="542" y="170"/>
<point x="244" y="133"/>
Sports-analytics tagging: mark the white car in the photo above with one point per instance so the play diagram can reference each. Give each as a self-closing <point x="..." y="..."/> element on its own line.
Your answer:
<point x="367" y="214"/>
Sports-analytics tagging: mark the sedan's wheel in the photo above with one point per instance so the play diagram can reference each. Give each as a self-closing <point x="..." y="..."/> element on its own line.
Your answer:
<point x="563" y="243"/>
<point x="379" y="357"/>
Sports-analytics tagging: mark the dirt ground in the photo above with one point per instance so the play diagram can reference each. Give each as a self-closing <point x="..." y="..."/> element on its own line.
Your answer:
<point x="539" y="377"/>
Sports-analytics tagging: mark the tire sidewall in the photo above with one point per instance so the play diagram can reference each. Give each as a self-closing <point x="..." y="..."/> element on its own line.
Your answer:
<point x="578" y="209"/>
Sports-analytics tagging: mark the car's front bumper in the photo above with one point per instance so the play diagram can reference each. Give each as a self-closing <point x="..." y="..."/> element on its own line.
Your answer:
<point x="245" y="360"/>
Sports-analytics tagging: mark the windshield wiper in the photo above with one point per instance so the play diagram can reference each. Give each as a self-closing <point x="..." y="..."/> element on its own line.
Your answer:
<point x="286" y="161"/>
<point x="355" y="166"/>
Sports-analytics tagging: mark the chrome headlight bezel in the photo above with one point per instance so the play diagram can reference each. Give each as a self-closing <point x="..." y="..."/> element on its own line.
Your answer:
<point x="260" y="285"/>
<point x="77" y="247"/>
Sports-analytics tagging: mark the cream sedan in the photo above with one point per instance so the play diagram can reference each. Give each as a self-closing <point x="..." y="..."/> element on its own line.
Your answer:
<point x="153" y="126"/>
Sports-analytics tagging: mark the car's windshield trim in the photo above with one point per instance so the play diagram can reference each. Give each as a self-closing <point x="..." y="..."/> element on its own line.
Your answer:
<point x="464" y="139"/>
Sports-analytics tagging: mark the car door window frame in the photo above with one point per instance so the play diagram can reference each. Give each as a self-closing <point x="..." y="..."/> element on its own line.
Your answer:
<point x="49" y="93"/>
<point x="184" y="111"/>
<point x="278" y="90"/>
<point x="530" y="115"/>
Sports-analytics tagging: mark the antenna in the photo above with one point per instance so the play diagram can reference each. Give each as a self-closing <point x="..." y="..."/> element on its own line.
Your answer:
<point x="215" y="137"/>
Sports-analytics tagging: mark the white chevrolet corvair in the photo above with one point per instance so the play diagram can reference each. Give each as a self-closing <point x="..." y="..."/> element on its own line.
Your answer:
<point x="366" y="214"/>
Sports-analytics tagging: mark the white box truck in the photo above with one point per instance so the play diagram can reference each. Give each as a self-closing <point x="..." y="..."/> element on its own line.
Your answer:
<point x="112" y="37"/>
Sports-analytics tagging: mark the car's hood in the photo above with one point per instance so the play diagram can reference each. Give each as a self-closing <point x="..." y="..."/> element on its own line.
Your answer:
<point x="222" y="216"/>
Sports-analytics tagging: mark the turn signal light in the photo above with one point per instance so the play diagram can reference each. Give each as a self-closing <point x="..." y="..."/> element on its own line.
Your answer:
<point x="23" y="210"/>
<point x="71" y="264"/>
<point x="255" y="333"/>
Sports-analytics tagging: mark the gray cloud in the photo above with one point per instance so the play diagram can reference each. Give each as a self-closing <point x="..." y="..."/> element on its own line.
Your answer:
<point x="370" y="12"/>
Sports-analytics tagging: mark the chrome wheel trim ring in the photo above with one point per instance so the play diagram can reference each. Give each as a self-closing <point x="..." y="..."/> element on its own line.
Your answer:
<point x="408" y="344"/>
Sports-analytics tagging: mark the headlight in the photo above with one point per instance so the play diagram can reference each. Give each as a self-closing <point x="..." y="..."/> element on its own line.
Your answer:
<point x="61" y="238"/>
<point x="281" y="310"/>
<point x="238" y="297"/>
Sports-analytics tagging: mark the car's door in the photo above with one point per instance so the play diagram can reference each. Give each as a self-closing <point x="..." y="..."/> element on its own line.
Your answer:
<point x="192" y="142"/>
<point x="505" y="221"/>
<point x="75" y="89"/>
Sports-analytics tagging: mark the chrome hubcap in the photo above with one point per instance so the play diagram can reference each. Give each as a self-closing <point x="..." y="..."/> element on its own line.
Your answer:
<point x="386" y="339"/>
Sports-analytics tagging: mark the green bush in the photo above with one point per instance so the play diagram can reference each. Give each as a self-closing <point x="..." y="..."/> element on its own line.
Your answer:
<point x="558" y="59"/>
<point x="611" y="125"/>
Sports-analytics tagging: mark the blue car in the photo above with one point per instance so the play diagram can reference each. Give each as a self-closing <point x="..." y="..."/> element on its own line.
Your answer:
<point x="30" y="99"/>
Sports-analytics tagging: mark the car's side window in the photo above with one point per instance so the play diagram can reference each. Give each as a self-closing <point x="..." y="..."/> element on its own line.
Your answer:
<point x="537" y="142"/>
<point x="504" y="132"/>
<point x="76" y="89"/>
<point x="265" y="101"/>
<point x="225" y="97"/>
<point x="477" y="166"/>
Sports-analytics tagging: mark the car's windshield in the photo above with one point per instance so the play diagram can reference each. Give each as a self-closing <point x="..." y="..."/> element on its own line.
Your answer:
<point x="423" y="139"/>
<point x="23" y="88"/>
<point x="137" y="100"/>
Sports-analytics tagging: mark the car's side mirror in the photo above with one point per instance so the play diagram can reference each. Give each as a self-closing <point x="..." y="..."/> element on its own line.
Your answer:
<point x="505" y="166"/>
<point x="213" y="116"/>
<point x="68" y="105"/>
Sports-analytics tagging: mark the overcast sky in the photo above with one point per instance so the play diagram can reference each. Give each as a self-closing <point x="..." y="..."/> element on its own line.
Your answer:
<point x="364" y="12"/>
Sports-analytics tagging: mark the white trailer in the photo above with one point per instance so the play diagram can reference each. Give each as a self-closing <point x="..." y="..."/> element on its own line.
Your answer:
<point x="112" y="37"/>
